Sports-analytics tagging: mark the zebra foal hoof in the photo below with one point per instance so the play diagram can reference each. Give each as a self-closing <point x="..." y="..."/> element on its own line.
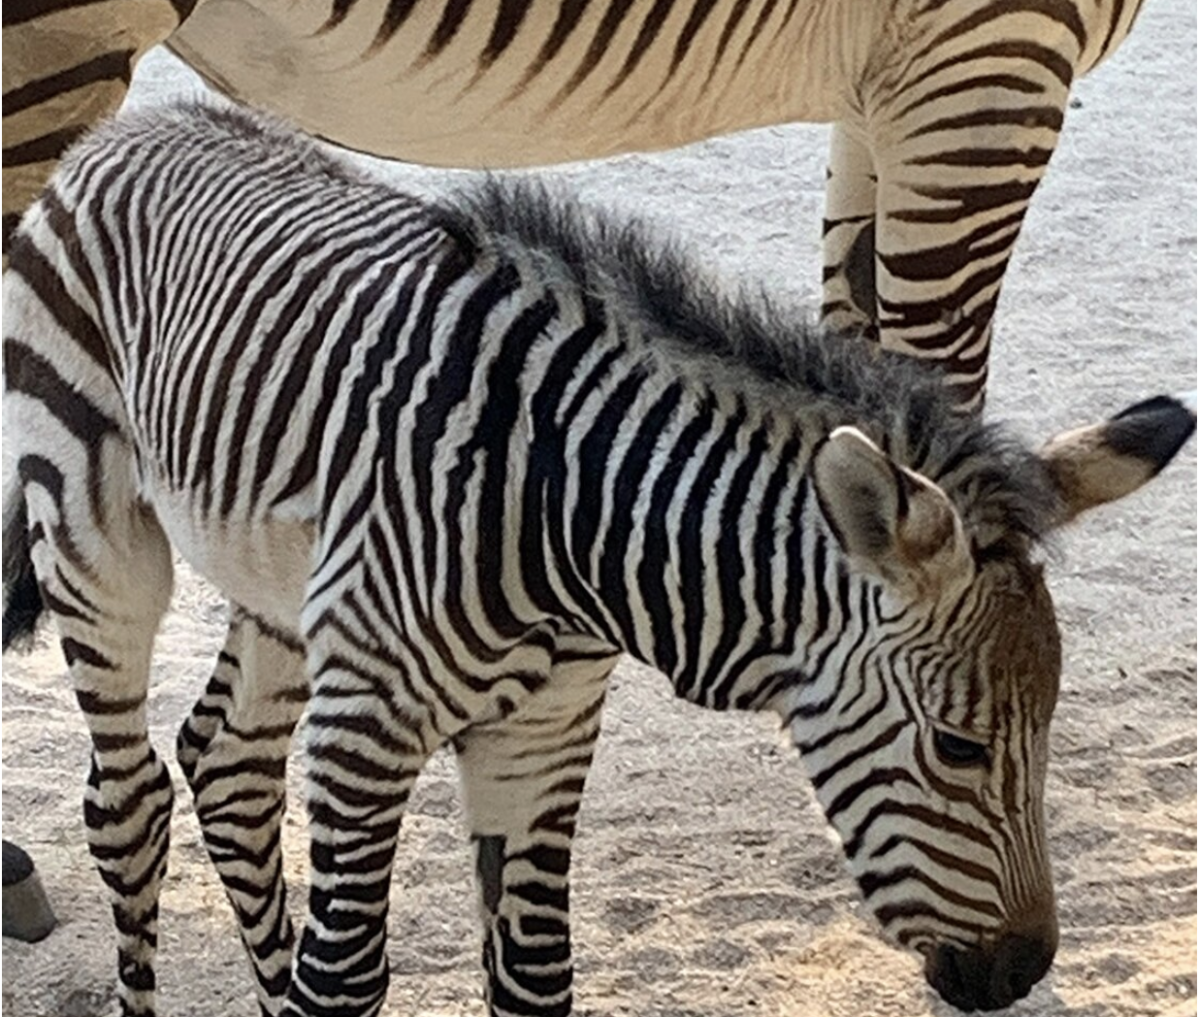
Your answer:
<point x="27" y="915"/>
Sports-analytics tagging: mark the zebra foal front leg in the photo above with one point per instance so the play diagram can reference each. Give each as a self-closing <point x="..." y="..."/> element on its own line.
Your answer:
<point x="233" y="750"/>
<point x="523" y="780"/>
<point x="367" y="740"/>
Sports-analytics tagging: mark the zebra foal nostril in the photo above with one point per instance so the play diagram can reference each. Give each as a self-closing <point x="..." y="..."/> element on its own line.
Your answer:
<point x="1021" y="962"/>
<point x="950" y="971"/>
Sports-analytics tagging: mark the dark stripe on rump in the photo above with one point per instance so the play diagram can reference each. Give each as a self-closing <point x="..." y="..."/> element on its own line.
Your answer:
<point x="44" y="148"/>
<point x="29" y="374"/>
<point x="114" y="66"/>
<point x="1064" y="12"/>
<point x="1014" y="50"/>
<point x="32" y="265"/>
<point x="17" y="12"/>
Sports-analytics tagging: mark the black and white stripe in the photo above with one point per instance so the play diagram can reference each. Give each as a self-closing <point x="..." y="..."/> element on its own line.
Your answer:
<point x="946" y="113"/>
<point x="448" y="461"/>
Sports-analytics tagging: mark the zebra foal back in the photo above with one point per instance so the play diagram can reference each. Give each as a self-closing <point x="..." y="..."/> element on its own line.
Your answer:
<point x="448" y="461"/>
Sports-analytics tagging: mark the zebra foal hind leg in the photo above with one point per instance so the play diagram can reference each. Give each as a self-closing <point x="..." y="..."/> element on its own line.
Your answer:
<point x="127" y="806"/>
<point x="103" y="569"/>
<point x="523" y="780"/>
<point x="233" y="749"/>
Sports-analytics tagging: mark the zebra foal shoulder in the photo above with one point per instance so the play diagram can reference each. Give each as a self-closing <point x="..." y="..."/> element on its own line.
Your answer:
<point x="449" y="460"/>
<point x="946" y="114"/>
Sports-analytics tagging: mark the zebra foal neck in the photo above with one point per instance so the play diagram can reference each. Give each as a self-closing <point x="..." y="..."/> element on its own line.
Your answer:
<point x="448" y="460"/>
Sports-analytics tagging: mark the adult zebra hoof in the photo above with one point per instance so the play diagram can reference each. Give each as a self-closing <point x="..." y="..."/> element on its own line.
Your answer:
<point x="27" y="915"/>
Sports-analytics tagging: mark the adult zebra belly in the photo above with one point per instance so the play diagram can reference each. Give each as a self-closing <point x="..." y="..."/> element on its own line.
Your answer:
<point x="498" y="83"/>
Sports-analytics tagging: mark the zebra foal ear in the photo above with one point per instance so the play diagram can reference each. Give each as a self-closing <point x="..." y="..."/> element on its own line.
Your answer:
<point x="1093" y="465"/>
<point x="889" y="520"/>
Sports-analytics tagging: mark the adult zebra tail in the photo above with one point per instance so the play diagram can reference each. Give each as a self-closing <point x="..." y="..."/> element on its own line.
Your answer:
<point x="23" y="604"/>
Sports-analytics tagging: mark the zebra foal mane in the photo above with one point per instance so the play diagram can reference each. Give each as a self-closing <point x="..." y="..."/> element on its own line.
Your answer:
<point x="767" y="347"/>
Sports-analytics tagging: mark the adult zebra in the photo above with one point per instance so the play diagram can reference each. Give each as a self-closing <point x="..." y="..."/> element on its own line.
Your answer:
<point x="946" y="113"/>
<point x="450" y="460"/>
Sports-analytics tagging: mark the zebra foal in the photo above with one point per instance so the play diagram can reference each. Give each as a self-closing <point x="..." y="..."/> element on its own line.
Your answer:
<point x="448" y="461"/>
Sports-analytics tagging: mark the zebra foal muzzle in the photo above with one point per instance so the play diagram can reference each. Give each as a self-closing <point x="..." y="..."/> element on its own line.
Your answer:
<point x="994" y="976"/>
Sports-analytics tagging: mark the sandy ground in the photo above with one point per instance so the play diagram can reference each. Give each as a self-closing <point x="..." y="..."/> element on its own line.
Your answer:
<point x="705" y="885"/>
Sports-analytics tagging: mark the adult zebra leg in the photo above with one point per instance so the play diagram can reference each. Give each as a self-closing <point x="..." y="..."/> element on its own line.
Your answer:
<point x="233" y="750"/>
<point x="850" y="303"/>
<point x="66" y="67"/>
<point x="959" y="154"/>
<point x="523" y="780"/>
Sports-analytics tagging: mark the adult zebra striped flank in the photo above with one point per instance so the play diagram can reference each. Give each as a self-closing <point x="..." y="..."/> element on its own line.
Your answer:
<point x="450" y="460"/>
<point x="946" y="113"/>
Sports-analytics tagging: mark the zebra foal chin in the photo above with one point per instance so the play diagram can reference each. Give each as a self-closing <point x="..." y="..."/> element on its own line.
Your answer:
<point x="448" y="461"/>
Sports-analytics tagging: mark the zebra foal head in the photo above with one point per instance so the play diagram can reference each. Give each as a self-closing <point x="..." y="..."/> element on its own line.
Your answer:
<point x="930" y="756"/>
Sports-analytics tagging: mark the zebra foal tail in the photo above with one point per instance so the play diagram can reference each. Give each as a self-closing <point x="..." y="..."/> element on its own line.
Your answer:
<point x="23" y="604"/>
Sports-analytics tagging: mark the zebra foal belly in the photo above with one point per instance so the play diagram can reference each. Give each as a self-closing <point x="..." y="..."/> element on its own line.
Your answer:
<point x="262" y="563"/>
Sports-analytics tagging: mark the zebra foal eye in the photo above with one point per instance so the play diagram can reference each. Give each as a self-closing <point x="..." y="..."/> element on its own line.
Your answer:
<point x="954" y="750"/>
